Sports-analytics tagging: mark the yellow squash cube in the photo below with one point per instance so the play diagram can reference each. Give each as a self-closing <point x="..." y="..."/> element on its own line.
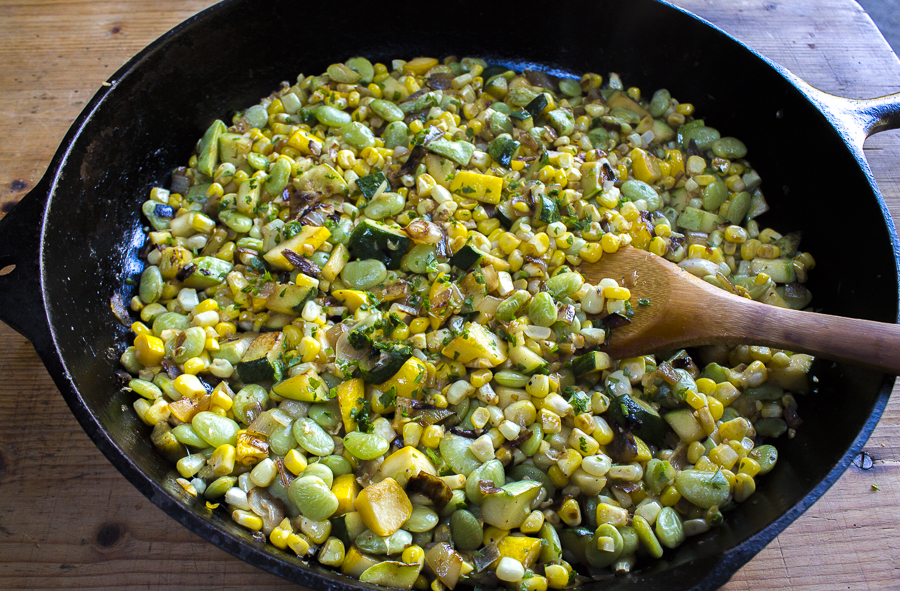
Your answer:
<point x="306" y="387"/>
<point x="384" y="506"/>
<point x="476" y="346"/>
<point x="474" y="185"/>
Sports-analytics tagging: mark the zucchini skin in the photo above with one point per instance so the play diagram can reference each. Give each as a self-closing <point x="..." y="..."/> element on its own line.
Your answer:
<point x="373" y="240"/>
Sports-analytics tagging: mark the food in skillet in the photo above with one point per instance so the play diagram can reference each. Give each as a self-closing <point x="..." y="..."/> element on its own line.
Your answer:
<point x="363" y="333"/>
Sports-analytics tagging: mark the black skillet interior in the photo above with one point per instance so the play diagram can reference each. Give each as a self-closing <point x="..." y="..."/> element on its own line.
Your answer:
<point x="231" y="55"/>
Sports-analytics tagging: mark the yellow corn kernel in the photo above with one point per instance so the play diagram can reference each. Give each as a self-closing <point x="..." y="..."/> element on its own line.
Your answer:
<point x="603" y="433"/>
<point x="570" y="513"/>
<point x="412" y="434"/>
<point x="415" y="126"/>
<point x="480" y="377"/>
<point x="413" y="555"/>
<point x="140" y="328"/>
<point x="299" y="545"/>
<point x="557" y="576"/>
<point x="670" y="496"/>
<point x="508" y="242"/>
<point x="724" y="456"/>
<point x="696" y="450"/>
<point x="195" y="365"/>
<point x="744" y="486"/>
<point x="686" y="109"/>
<point x="279" y="537"/>
<point x="419" y="325"/>
<point x="616" y="293"/>
<point x="609" y="242"/>
<point x="557" y="476"/>
<point x="658" y="246"/>
<point x="716" y="409"/>
<point x="310" y="348"/>
<point x="295" y="462"/>
<point x="150" y="350"/>
<point x="247" y="519"/>
<point x="432" y="436"/>
<point x="221" y="399"/>
<point x="532" y="523"/>
<point x="696" y="401"/>
<point x="749" y="466"/>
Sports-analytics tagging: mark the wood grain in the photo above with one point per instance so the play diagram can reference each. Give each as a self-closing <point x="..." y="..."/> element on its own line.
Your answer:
<point x="69" y="520"/>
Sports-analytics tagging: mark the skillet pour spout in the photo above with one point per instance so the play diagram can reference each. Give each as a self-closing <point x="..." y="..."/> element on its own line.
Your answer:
<point x="74" y="247"/>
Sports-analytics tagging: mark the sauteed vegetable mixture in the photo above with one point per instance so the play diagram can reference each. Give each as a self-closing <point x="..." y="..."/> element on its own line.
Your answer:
<point x="364" y="335"/>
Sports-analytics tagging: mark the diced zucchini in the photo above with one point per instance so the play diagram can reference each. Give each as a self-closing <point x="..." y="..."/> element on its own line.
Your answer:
<point x="685" y="425"/>
<point x="304" y="243"/>
<point x="399" y="575"/>
<point x="796" y="376"/>
<point x="388" y="360"/>
<point x="639" y="417"/>
<point x="526" y="361"/>
<point x="233" y="149"/>
<point x="233" y="350"/>
<point x="549" y="210"/>
<point x="697" y="220"/>
<point x="369" y="184"/>
<point x="408" y="380"/>
<point x="789" y="243"/>
<point x="620" y="100"/>
<point x="502" y="150"/>
<point x="374" y="240"/>
<point x="780" y="270"/>
<point x="478" y="346"/>
<point x="508" y="508"/>
<point x="322" y="179"/>
<point x="466" y="257"/>
<point x="590" y="362"/>
<point x="537" y="105"/>
<point x="290" y="299"/>
<point x="503" y="212"/>
<point x="260" y="363"/>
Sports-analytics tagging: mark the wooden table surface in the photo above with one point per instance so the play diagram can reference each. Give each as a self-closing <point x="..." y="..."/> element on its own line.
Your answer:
<point x="68" y="519"/>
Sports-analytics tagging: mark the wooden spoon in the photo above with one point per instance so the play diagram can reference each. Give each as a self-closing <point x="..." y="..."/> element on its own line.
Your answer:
<point x="685" y="311"/>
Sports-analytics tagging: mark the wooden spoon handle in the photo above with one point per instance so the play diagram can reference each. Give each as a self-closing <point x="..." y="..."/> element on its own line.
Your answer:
<point x="861" y="342"/>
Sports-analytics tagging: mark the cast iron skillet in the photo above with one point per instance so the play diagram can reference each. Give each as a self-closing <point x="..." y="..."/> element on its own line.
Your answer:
<point x="74" y="238"/>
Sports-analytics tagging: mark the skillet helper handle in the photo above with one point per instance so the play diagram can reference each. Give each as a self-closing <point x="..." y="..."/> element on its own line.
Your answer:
<point x="857" y="119"/>
<point x="21" y="303"/>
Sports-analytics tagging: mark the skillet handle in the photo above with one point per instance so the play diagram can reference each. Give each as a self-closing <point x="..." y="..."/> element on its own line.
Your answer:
<point x="21" y="302"/>
<point x="857" y="119"/>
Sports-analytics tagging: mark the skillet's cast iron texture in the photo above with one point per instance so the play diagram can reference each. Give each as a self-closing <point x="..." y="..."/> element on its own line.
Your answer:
<point x="81" y="227"/>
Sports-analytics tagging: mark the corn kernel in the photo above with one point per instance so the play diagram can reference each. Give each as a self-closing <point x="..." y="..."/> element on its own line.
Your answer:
<point x="533" y="523"/>
<point x="432" y="436"/>
<point x="413" y="555"/>
<point x="150" y="350"/>
<point x="715" y="408"/>
<point x="247" y="519"/>
<point x="695" y="400"/>
<point x="609" y="242"/>
<point x="419" y="325"/>
<point x="557" y="476"/>
<point x="570" y="513"/>
<point x="670" y="496"/>
<point x="749" y="466"/>
<point x="744" y="486"/>
<point x="557" y="576"/>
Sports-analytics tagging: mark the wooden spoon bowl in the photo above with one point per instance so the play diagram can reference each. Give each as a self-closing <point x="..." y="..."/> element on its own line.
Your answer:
<point x="682" y="310"/>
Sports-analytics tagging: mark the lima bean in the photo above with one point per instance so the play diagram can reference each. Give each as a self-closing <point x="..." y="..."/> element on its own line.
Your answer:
<point x="668" y="528"/>
<point x="313" y="498"/>
<point x="466" y="531"/>
<point x="215" y="429"/>
<point x="364" y="275"/>
<point x="312" y="438"/>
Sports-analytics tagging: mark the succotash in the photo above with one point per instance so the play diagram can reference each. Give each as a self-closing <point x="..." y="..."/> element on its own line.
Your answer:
<point x="363" y="334"/>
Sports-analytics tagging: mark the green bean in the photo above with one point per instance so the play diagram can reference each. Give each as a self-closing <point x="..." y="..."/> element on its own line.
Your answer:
<point x="238" y="222"/>
<point x="562" y="120"/>
<point x="313" y="498"/>
<point x="714" y="195"/>
<point x="369" y="541"/>
<point x="331" y="116"/>
<point x="215" y="429"/>
<point x="278" y="177"/>
<point x="729" y="147"/>
<point x="364" y="275"/>
<point x="219" y="487"/>
<point x="703" y="136"/>
<point x="358" y="135"/>
<point x="386" y="110"/>
<point x="257" y="116"/>
<point x="151" y="286"/>
<point x="185" y="434"/>
<point x="148" y="390"/>
<point x="312" y="438"/>
<point x="600" y="557"/>
<point x="419" y="258"/>
<point x="338" y="465"/>
<point x="363" y="67"/>
<point x="365" y="446"/>
<point x="282" y="440"/>
<point x="387" y="204"/>
<point x="491" y="471"/>
<point x="457" y="501"/>
<point x="396" y="135"/>
<point x="508" y="308"/>
<point x="466" y="531"/>
<point x="194" y="340"/>
<point x="251" y="397"/>
<point x="533" y="443"/>
<point x="570" y="87"/>
<point x="511" y="379"/>
<point x="321" y="471"/>
<point x="170" y="321"/>
<point x="660" y="102"/>
<point x="629" y="539"/>
<point x="326" y="414"/>
<point x="770" y="427"/>
<point x="551" y="548"/>
<point x="343" y="74"/>
<point x="562" y="285"/>
<point x="668" y="528"/>
<point x="542" y="309"/>
<point x="766" y="456"/>
<point x="421" y="520"/>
